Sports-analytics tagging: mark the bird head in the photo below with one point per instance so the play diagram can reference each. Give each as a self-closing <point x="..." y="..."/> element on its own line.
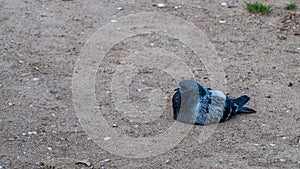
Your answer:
<point x="190" y="87"/>
<point x="187" y="86"/>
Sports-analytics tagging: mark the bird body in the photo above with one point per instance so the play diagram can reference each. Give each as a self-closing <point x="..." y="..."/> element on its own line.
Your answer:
<point x="195" y="104"/>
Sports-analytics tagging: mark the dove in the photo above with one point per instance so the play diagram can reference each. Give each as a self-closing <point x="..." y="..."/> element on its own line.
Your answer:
<point x="195" y="104"/>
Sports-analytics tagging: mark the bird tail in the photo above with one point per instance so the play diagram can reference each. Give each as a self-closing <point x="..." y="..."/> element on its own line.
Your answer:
<point x="241" y="101"/>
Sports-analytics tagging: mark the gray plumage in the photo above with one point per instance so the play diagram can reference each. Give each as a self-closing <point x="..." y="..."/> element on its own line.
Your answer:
<point x="195" y="104"/>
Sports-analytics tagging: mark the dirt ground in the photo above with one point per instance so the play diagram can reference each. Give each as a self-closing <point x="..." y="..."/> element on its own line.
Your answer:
<point x="42" y="40"/>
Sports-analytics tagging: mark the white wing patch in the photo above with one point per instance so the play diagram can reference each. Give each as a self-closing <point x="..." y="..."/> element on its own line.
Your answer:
<point x="216" y="108"/>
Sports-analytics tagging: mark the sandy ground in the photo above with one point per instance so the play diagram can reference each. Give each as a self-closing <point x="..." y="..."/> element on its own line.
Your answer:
<point x="42" y="40"/>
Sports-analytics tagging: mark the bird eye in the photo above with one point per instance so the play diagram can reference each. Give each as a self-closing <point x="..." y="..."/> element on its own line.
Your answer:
<point x="185" y="86"/>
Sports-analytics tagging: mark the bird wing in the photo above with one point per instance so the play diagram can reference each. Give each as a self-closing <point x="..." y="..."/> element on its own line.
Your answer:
<point x="229" y="110"/>
<point x="215" y="108"/>
<point x="176" y="100"/>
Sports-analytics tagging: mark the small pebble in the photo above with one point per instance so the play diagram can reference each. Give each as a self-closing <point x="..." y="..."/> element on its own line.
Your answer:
<point x="49" y="148"/>
<point x="107" y="138"/>
<point x="1" y="167"/>
<point x="298" y="48"/>
<point x="196" y="70"/>
<point x="36" y="79"/>
<point x="257" y="21"/>
<point x="167" y="162"/>
<point x="282" y="160"/>
<point x="105" y="160"/>
<point x="177" y="6"/>
<point x="136" y="126"/>
<point x="283" y="74"/>
<point x="284" y="138"/>
<point x="123" y="62"/>
<point x="89" y="138"/>
<point x="114" y="125"/>
<point x="272" y="145"/>
<point x="264" y="125"/>
<point x="113" y="21"/>
<point x="139" y="90"/>
<point x="85" y="162"/>
<point x="119" y="8"/>
<point x="224" y="4"/>
<point x="11" y="104"/>
<point x="256" y="145"/>
<point x="222" y="21"/>
<point x="32" y="133"/>
<point x="21" y="61"/>
<point x="11" y="139"/>
<point x="161" y="5"/>
<point x="269" y="96"/>
<point x="271" y="24"/>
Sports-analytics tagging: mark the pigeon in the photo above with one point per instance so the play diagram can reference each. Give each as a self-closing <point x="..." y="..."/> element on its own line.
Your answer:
<point x="195" y="104"/>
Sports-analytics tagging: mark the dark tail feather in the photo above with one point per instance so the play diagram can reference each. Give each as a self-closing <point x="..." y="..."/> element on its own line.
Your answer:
<point x="241" y="101"/>
<point x="245" y="110"/>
